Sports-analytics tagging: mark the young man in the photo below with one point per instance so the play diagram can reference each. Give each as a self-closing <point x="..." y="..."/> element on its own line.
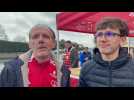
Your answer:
<point x="111" y="66"/>
<point x="36" y="68"/>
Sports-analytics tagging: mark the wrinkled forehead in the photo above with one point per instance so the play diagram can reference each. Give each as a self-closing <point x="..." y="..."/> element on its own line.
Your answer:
<point x="36" y="30"/>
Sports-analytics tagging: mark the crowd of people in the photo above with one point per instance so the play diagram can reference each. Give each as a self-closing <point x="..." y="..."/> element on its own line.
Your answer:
<point x="110" y="65"/>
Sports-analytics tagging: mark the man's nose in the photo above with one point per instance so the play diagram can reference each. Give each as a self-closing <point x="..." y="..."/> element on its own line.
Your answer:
<point x="103" y="37"/>
<point x="41" y="40"/>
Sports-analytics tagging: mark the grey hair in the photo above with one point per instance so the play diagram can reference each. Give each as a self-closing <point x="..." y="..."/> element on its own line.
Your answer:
<point x="42" y="26"/>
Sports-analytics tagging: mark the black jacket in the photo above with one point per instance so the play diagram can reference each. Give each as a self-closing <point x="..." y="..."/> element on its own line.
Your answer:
<point x="100" y="73"/>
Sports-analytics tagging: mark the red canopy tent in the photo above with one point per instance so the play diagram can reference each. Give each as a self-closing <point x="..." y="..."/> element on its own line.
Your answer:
<point x="85" y="21"/>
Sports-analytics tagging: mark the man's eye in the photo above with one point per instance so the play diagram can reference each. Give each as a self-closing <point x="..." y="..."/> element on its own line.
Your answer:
<point x="45" y="36"/>
<point x="109" y="34"/>
<point x="100" y="34"/>
<point x="35" y="36"/>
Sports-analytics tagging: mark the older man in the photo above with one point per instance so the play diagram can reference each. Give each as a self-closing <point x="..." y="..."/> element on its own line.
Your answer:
<point x="35" y="68"/>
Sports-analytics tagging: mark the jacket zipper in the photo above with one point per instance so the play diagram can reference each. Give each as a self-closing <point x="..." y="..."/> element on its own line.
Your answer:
<point x="110" y="74"/>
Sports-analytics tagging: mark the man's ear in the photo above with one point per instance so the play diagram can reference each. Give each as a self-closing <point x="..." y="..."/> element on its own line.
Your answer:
<point x="54" y="46"/>
<point x="95" y="40"/>
<point x="30" y="44"/>
<point x="123" y="41"/>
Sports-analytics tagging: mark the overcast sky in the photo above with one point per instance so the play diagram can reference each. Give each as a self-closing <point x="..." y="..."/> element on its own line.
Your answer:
<point x="19" y="24"/>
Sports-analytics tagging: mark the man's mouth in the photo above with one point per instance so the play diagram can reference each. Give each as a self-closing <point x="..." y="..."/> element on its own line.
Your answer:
<point x="42" y="48"/>
<point x="104" y="46"/>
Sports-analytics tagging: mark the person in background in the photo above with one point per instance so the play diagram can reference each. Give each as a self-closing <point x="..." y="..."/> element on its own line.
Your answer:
<point x="70" y="60"/>
<point x="35" y="68"/>
<point x="75" y="56"/>
<point x="85" y="56"/>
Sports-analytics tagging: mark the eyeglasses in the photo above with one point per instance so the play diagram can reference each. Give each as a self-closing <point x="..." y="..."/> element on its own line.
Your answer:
<point x="107" y="34"/>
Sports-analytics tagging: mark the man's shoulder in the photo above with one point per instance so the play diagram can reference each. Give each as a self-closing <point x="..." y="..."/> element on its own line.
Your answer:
<point x="132" y="60"/>
<point x="13" y="63"/>
<point x="131" y="63"/>
<point x="87" y="66"/>
<point x="73" y="49"/>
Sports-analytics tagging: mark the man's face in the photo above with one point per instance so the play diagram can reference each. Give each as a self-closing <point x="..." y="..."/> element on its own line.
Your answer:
<point x="86" y="50"/>
<point x="41" y="41"/>
<point x="110" y="42"/>
<point x="67" y="45"/>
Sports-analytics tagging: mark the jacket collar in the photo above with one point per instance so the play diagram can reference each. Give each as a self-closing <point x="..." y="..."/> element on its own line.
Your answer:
<point x="115" y="64"/>
<point x="24" y="68"/>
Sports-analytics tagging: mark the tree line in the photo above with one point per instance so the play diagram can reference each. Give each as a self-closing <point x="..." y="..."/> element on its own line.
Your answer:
<point x="10" y="46"/>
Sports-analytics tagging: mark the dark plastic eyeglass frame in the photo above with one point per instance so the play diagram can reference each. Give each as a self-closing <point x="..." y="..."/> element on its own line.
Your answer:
<point x="107" y="34"/>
